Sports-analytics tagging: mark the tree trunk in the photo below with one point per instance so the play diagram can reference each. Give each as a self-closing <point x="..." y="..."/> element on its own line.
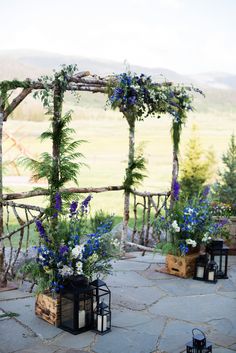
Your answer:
<point x="131" y="122"/>
<point x="175" y="173"/>
<point x="3" y="281"/>
<point x="56" y="133"/>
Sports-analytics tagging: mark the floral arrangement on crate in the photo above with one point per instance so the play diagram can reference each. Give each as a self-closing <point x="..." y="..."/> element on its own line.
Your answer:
<point x="188" y="224"/>
<point x="69" y="249"/>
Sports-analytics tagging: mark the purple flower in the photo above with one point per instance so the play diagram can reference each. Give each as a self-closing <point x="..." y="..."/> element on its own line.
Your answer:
<point x="206" y="191"/>
<point x="176" y="189"/>
<point x="73" y="207"/>
<point x="41" y="230"/>
<point x="63" y="249"/>
<point x="223" y="222"/>
<point x="85" y="203"/>
<point x="58" y="202"/>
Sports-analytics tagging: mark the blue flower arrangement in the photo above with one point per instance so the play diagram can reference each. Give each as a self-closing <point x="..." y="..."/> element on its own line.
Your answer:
<point x="137" y="95"/>
<point x="68" y="249"/>
<point x="189" y="223"/>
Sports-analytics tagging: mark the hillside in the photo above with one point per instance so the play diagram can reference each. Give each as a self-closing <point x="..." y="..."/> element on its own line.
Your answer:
<point x="220" y="88"/>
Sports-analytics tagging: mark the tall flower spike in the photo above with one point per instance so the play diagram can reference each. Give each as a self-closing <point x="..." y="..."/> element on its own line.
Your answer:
<point x="176" y="190"/>
<point x="58" y="202"/>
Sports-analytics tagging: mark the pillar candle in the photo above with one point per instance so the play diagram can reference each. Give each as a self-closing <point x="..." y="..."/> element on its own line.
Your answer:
<point x="81" y="318"/>
<point x="99" y="323"/>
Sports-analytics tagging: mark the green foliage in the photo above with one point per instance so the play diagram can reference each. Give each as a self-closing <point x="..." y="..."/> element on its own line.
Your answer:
<point x="9" y="314"/>
<point x="69" y="165"/>
<point x="134" y="172"/>
<point x="35" y="273"/>
<point x="63" y="165"/>
<point x="99" y="218"/>
<point x="167" y="248"/>
<point x="225" y="189"/>
<point x="7" y="86"/>
<point x="196" y="169"/>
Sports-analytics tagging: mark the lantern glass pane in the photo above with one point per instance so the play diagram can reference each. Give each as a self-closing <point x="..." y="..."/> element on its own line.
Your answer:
<point x="67" y="312"/>
<point x="200" y="272"/>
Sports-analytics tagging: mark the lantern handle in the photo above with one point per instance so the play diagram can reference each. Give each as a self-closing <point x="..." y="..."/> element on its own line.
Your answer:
<point x="197" y="329"/>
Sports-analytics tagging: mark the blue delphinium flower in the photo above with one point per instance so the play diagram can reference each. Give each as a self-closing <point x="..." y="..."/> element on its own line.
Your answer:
<point x="58" y="202"/>
<point x="41" y="230"/>
<point x="73" y="207"/>
<point x="63" y="249"/>
<point x="85" y="204"/>
<point x="176" y="189"/>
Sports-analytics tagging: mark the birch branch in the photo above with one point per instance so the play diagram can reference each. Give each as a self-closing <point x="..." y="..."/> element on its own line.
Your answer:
<point x="16" y="101"/>
<point x="33" y="193"/>
<point x="141" y="247"/>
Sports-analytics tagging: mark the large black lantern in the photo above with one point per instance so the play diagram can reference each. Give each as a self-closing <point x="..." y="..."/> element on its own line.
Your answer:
<point x="77" y="306"/>
<point x="211" y="272"/>
<point x="200" y="267"/>
<point x="199" y="343"/>
<point x="102" y="307"/>
<point x="219" y="254"/>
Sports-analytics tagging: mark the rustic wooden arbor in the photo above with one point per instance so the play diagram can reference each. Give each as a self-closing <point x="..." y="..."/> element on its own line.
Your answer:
<point x="81" y="81"/>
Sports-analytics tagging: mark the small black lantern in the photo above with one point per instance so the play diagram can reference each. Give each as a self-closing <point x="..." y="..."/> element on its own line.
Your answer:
<point x="220" y="256"/>
<point x="200" y="267"/>
<point x="211" y="272"/>
<point x="199" y="343"/>
<point x="102" y="307"/>
<point x="103" y="322"/>
<point x="77" y="306"/>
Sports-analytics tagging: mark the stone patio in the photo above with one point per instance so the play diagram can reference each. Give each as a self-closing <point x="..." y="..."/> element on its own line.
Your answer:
<point x="152" y="312"/>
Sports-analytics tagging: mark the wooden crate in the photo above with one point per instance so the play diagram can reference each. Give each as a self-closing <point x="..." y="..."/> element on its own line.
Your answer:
<point x="181" y="266"/>
<point x="48" y="308"/>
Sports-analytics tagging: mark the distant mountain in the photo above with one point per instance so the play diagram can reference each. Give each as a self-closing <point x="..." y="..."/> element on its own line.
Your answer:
<point x="31" y="63"/>
<point x="220" y="88"/>
<point x="22" y="63"/>
<point x="219" y="80"/>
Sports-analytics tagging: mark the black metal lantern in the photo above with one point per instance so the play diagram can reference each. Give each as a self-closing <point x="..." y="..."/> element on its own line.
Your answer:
<point x="220" y="256"/>
<point x="211" y="272"/>
<point x="77" y="306"/>
<point x="102" y="307"/>
<point x="199" y="343"/>
<point x="103" y="322"/>
<point x="200" y="267"/>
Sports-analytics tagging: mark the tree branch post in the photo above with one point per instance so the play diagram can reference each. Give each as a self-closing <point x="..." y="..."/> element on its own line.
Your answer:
<point x="3" y="281"/>
<point x="131" y="122"/>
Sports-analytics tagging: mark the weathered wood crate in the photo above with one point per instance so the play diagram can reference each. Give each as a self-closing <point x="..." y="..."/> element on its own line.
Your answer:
<point x="181" y="266"/>
<point x="48" y="308"/>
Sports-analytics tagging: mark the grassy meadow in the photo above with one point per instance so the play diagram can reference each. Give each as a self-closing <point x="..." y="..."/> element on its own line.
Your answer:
<point x="105" y="151"/>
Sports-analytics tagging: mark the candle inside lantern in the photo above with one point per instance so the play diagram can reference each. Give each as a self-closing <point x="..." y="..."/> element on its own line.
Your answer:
<point x="99" y="323"/>
<point x="211" y="276"/>
<point x="81" y="322"/>
<point x="200" y="272"/>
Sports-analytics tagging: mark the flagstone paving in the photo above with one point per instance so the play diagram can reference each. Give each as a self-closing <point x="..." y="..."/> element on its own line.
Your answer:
<point x="152" y="312"/>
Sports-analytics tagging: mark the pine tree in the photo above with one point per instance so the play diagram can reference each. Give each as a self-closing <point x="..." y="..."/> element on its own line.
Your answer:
<point x="197" y="167"/>
<point x="225" y="190"/>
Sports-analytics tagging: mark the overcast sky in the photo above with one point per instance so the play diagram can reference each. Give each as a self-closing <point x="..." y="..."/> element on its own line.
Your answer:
<point x="187" y="36"/>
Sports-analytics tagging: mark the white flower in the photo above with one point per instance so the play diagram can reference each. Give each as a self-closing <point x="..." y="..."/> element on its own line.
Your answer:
<point x="206" y="238"/>
<point x="189" y="211"/>
<point x="66" y="271"/>
<point x="77" y="251"/>
<point x="191" y="242"/>
<point x="79" y="268"/>
<point x="175" y="226"/>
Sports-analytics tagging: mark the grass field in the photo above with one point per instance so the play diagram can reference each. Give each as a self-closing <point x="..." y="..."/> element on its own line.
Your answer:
<point x="106" y="149"/>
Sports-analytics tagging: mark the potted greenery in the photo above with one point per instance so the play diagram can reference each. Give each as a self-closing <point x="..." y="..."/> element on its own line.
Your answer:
<point x="188" y="225"/>
<point x="224" y="191"/>
<point x="68" y="250"/>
